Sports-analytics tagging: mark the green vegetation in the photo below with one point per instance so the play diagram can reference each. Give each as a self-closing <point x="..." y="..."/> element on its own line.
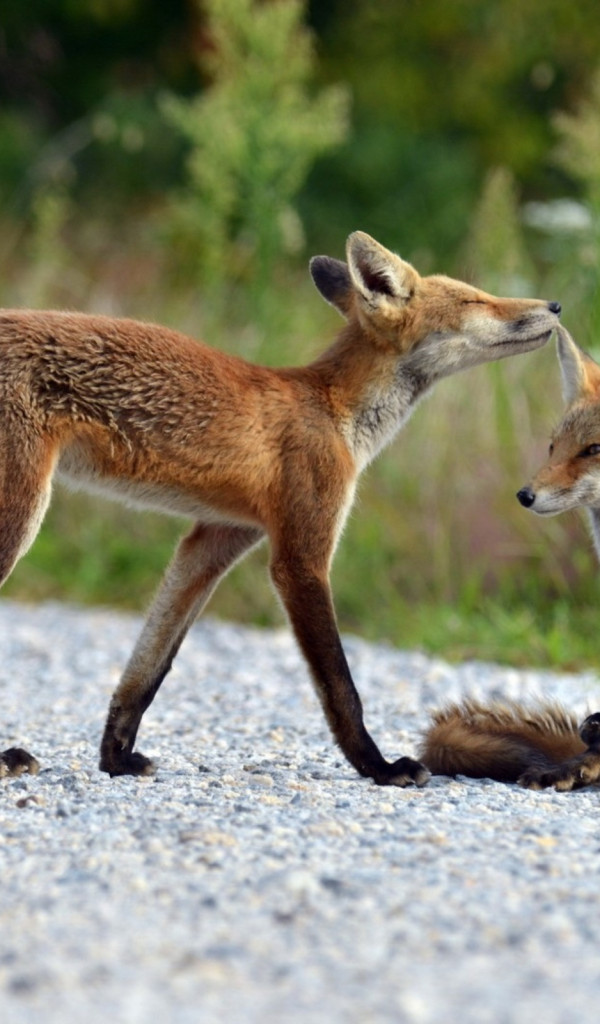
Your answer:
<point x="253" y="136"/>
<point x="181" y="166"/>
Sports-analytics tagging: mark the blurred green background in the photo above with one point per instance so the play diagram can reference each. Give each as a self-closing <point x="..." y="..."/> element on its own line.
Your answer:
<point x="180" y="162"/>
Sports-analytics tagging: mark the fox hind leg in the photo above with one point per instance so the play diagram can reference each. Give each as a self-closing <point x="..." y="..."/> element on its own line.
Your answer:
<point x="200" y="561"/>
<point x="26" y="466"/>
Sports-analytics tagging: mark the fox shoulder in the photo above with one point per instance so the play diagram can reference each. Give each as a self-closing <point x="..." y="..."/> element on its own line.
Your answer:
<point x="499" y="740"/>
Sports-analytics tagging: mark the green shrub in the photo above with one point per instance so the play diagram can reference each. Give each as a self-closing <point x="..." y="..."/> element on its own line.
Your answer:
<point x="253" y="135"/>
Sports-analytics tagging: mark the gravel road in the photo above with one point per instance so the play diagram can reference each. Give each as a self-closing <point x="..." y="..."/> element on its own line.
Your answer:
<point x="255" y="879"/>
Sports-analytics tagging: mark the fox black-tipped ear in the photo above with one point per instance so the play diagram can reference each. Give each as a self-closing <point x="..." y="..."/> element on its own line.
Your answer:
<point x="580" y="373"/>
<point x="332" y="278"/>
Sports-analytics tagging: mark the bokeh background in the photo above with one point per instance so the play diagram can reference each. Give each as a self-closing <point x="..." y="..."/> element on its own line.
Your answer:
<point x="181" y="161"/>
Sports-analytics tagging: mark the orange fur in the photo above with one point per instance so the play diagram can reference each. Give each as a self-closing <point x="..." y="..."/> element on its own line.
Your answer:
<point x="154" y="418"/>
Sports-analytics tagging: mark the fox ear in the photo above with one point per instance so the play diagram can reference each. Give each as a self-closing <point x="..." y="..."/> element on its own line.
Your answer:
<point x="580" y="373"/>
<point x="378" y="275"/>
<point x="332" y="278"/>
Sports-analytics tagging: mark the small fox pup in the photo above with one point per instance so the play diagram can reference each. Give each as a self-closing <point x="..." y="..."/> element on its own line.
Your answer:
<point x="147" y="415"/>
<point x="538" y="746"/>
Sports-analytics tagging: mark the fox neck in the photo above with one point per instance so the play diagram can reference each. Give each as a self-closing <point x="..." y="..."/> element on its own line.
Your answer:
<point x="373" y="391"/>
<point x="384" y="409"/>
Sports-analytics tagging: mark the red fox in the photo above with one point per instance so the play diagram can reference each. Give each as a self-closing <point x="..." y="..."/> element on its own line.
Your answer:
<point x="537" y="746"/>
<point x="157" y="419"/>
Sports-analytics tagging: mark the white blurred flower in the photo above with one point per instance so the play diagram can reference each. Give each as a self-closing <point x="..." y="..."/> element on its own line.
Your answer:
<point x="558" y="216"/>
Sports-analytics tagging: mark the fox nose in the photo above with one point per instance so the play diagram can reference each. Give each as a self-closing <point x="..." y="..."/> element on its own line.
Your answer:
<point x="555" y="307"/>
<point x="526" y="497"/>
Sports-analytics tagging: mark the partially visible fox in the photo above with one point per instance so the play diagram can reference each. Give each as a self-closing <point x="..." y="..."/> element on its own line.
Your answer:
<point x="537" y="746"/>
<point x="147" y="415"/>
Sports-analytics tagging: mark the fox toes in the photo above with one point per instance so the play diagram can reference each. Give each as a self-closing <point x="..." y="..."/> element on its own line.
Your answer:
<point x="577" y="778"/>
<point x="574" y="774"/>
<point x="16" y="761"/>
<point x="406" y="772"/>
<point x="563" y="779"/>
<point x="128" y="763"/>
<point x="532" y="780"/>
<point x="536" y="779"/>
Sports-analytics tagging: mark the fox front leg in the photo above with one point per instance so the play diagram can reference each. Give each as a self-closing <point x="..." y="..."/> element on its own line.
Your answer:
<point x="306" y="596"/>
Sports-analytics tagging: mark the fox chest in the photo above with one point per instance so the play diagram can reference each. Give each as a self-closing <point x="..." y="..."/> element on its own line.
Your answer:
<point x="378" y="420"/>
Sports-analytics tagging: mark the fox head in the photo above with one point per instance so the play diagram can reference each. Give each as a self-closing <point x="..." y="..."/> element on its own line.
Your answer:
<point x="436" y="324"/>
<point x="571" y="476"/>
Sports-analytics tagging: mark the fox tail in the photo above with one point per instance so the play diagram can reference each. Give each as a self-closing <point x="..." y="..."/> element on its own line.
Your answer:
<point x="499" y="740"/>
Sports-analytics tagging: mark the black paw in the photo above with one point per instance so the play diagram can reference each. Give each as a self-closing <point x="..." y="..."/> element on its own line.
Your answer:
<point x="576" y="773"/>
<point x="534" y="778"/>
<point x="16" y="761"/>
<point x="404" y="772"/>
<point x="127" y="763"/>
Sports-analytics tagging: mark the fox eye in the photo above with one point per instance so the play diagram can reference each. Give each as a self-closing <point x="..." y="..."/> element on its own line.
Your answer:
<point x="474" y="302"/>
<point x="592" y="449"/>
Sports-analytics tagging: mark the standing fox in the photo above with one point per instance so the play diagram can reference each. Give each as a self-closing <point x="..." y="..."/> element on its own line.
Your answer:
<point x="542" y="746"/>
<point x="147" y="415"/>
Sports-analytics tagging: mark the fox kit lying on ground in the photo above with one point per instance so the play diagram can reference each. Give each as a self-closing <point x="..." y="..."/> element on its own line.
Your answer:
<point x="540" y="746"/>
<point x="147" y="415"/>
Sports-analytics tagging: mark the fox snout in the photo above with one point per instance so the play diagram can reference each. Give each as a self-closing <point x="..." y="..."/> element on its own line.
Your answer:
<point x="554" y="307"/>
<point x="526" y="496"/>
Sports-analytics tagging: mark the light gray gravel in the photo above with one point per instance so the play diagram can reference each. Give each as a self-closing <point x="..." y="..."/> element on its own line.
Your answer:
<point x="255" y="878"/>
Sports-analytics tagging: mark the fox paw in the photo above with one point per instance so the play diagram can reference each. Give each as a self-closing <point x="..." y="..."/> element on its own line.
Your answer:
<point x="576" y="773"/>
<point x="16" y="761"/>
<point x="404" y="772"/>
<point x="127" y="763"/>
